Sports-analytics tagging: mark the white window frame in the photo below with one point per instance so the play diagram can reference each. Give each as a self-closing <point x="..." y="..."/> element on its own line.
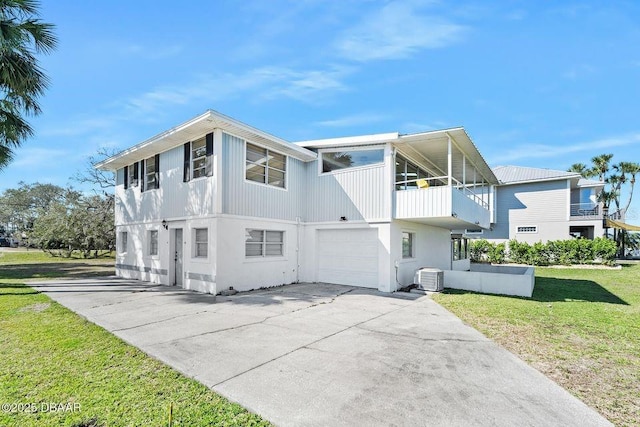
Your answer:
<point x="263" y="243"/>
<point x="198" y="244"/>
<point x="412" y="244"/>
<point x="123" y="242"/>
<point x="473" y="231"/>
<point x="193" y="159"/>
<point x="153" y="251"/>
<point x="146" y="174"/>
<point x="267" y="167"/>
<point x="344" y="149"/>
<point x="523" y="229"/>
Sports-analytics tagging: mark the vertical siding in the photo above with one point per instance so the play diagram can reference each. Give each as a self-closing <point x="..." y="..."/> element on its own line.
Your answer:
<point x="174" y="198"/>
<point x="541" y="204"/>
<point x="358" y="194"/>
<point x="240" y="197"/>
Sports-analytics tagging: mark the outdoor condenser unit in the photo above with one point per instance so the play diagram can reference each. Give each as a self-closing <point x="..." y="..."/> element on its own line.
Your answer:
<point x="429" y="279"/>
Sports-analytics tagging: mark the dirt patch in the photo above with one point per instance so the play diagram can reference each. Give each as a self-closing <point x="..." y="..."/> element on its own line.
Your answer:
<point x="36" y="308"/>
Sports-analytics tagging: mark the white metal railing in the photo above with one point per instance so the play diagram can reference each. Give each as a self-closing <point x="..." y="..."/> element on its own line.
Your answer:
<point x="437" y="181"/>
<point x="589" y="209"/>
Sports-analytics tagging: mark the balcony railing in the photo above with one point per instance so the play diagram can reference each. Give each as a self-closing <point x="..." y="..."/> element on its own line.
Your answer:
<point x="443" y="204"/>
<point x="586" y="211"/>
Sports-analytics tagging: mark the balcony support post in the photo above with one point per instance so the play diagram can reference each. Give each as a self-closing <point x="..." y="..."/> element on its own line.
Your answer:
<point x="449" y="161"/>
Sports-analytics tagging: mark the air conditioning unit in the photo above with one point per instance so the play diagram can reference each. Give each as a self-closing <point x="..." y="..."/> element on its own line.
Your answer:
<point x="429" y="279"/>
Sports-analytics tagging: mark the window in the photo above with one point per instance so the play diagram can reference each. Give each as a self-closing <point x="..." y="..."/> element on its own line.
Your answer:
<point x="131" y="175"/>
<point x="265" y="166"/>
<point x="474" y="231"/>
<point x="201" y="242"/>
<point x="264" y="243"/>
<point x="407" y="244"/>
<point x="153" y="242"/>
<point x="337" y="160"/>
<point x="198" y="158"/>
<point x="151" y="174"/>
<point x="408" y="174"/>
<point x="123" y="242"/>
<point x="528" y="229"/>
<point x="459" y="248"/>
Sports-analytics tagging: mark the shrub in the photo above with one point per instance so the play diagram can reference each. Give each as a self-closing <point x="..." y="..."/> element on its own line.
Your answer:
<point x="497" y="253"/>
<point x="479" y="250"/>
<point x="604" y="250"/>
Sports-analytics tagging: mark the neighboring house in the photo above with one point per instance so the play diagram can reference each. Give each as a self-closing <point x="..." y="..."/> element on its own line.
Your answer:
<point x="535" y="205"/>
<point x="214" y="203"/>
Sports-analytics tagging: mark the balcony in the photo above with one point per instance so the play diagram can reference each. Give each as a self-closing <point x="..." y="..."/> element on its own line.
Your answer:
<point x="452" y="207"/>
<point x="585" y="211"/>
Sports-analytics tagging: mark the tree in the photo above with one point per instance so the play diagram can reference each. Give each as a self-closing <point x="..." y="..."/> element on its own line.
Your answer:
<point x="20" y="207"/>
<point x="22" y="81"/>
<point x="600" y="166"/>
<point x="580" y="168"/>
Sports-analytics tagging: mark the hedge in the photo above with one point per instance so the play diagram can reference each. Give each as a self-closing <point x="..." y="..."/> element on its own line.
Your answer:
<point x="564" y="252"/>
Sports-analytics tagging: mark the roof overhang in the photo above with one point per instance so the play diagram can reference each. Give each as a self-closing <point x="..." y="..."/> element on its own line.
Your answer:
<point x="196" y="128"/>
<point x="433" y="147"/>
<point x="350" y="141"/>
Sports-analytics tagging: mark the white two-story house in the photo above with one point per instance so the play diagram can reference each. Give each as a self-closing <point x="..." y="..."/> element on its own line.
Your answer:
<point x="214" y="203"/>
<point x="533" y="205"/>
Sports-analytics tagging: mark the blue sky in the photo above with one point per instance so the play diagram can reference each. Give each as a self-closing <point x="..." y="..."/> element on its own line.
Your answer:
<point x="543" y="84"/>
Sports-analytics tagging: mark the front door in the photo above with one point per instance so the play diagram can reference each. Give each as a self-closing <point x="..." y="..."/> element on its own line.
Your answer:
<point x="177" y="256"/>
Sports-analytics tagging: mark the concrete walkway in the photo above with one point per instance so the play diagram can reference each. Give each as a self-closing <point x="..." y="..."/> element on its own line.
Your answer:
<point x="328" y="355"/>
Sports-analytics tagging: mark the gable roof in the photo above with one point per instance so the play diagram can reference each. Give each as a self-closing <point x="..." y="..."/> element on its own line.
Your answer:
<point x="520" y="174"/>
<point x="196" y="128"/>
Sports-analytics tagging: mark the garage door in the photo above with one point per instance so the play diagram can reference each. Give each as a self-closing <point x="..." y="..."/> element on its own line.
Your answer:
<point x="348" y="257"/>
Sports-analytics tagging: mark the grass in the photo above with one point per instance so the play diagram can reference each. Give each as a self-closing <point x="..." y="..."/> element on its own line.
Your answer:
<point x="48" y="355"/>
<point x="581" y="328"/>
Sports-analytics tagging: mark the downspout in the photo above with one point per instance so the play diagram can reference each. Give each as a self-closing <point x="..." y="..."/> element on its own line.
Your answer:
<point x="298" y="225"/>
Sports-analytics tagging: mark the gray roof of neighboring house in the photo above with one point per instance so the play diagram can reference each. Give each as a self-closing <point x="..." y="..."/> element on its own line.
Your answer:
<point x="517" y="174"/>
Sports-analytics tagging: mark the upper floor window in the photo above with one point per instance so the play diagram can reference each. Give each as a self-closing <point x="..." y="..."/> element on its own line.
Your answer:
<point x="131" y="174"/>
<point x="410" y="176"/>
<point x="151" y="174"/>
<point x="198" y="158"/>
<point x="336" y="160"/>
<point x="265" y="166"/>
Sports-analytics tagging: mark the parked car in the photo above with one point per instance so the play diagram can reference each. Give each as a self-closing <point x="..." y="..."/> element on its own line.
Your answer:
<point x="4" y="242"/>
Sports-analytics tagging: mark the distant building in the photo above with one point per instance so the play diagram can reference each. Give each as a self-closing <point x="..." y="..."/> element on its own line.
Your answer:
<point x="533" y="204"/>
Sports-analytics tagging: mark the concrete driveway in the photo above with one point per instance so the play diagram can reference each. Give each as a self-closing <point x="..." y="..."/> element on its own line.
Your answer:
<point x="316" y="354"/>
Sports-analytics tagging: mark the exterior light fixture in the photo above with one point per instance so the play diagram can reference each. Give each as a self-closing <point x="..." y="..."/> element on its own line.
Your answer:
<point x="164" y="224"/>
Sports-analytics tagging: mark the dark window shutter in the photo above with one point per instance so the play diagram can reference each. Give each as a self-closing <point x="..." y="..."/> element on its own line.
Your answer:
<point x="126" y="177"/>
<point x="186" y="176"/>
<point x="157" y="171"/>
<point x="209" y="165"/>
<point x="141" y="179"/>
<point x="136" y="174"/>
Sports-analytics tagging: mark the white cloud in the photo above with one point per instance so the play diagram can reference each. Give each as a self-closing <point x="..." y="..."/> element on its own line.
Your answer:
<point x="397" y="31"/>
<point x="580" y="71"/>
<point x="352" y="120"/>
<point x="529" y="151"/>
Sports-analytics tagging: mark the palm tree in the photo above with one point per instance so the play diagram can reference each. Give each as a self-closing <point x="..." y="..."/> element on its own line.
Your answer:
<point x="600" y="166"/>
<point x="580" y="168"/>
<point x="628" y="171"/>
<point x="22" y="81"/>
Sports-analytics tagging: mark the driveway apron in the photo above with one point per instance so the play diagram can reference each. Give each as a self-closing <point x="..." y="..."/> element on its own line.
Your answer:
<point x="329" y="355"/>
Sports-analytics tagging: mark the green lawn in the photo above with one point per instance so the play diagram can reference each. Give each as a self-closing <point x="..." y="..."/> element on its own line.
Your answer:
<point x="48" y="355"/>
<point x="581" y="328"/>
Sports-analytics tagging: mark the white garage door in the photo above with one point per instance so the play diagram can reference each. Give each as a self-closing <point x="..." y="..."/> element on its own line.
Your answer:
<point x="348" y="257"/>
